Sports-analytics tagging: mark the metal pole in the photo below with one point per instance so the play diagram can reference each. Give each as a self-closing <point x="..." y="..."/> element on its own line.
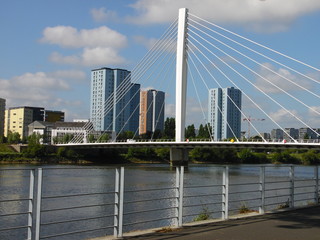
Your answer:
<point x="181" y="75"/>
<point x="116" y="203"/>
<point x="177" y="196"/>
<point x="30" y="211"/>
<point x="38" y="209"/>
<point x="121" y="201"/>
<point x="291" y="174"/>
<point x="262" y="189"/>
<point x="225" y="193"/>
<point x="181" y="196"/>
<point x="316" y="175"/>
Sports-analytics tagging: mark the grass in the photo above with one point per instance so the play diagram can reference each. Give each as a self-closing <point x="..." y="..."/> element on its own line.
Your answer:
<point x="5" y="148"/>
<point x="245" y="209"/>
<point x="203" y="215"/>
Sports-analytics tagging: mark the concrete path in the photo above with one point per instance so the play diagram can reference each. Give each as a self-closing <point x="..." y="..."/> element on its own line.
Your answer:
<point x="300" y="224"/>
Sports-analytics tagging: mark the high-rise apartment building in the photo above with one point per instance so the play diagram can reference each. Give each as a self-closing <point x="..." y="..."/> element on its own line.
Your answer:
<point x="17" y="119"/>
<point x="2" y="112"/>
<point x="224" y="112"/>
<point x="151" y="111"/>
<point x="114" y="100"/>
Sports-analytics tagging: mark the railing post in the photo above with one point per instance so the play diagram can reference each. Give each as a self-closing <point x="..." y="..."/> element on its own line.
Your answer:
<point x="38" y="209"/>
<point x="30" y="208"/>
<point x="291" y="174"/>
<point x="225" y="193"/>
<point x="262" y="189"/>
<point x="316" y="192"/>
<point x="118" y="202"/>
<point x="179" y="194"/>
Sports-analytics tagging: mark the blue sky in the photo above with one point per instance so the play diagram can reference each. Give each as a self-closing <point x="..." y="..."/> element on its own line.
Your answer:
<point x="49" y="47"/>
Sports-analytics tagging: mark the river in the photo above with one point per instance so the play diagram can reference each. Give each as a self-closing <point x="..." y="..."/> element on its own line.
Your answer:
<point x="61" y="180"/>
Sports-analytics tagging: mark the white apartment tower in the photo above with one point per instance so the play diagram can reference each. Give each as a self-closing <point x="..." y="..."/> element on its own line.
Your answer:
<point x="224" y="113"/>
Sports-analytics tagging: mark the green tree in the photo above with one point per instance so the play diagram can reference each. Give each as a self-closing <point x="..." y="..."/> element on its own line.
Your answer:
<point x="310" y="157"/>
<point x="204" y="131"/>
<point x="104" y="137"/>
<point x="35" y="149"/>
<point x="169" y="128"/>
<point x="13" y="137"/>
<point x="190" y="131"/>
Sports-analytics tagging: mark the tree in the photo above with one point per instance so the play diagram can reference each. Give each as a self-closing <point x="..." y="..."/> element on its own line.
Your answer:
<point x="204" y="131"/>
<point x="104" y="137"/>
<point x="13" y="137"/>
<point x="190" y="131"/>
<point x="169" y="128"/>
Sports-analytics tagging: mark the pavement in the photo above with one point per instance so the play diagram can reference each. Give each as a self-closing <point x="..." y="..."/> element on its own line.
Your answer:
<point x="299" y="224"/>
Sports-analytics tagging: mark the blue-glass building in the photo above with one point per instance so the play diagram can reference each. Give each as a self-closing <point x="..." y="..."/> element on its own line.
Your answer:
<point x="114" y="100"/>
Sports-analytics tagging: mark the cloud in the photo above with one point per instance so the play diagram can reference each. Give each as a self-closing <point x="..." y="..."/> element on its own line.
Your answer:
<point x="282" y="116"/>
<point x="70" y="37"/>
<point x="269" y="15"/>
<point x="275" y="78"/>
<point x="90" y="57"/>
<point x="103" y="15"/>
<point x="40" y="89"/>
<point x="146" y="42"/>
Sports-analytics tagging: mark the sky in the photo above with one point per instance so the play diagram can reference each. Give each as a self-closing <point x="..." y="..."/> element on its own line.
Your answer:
<point x="48" y="48"/>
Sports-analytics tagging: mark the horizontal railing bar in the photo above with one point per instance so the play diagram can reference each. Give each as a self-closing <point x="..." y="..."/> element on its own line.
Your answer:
<point x="283" y="181"/>
<point x="13" y="228"/>
<point x="75" y="232"/>
<point x="251" y="191"/>
<point x="196" y="214"/>
<point x="243" y="200"/>
<point x="150" y="210"/>
<point x="15" y="200"/>
<point x="77" y="195"/>
<point x="152" y="220"/>
<point x="275" y="189"/>
<point x="243" y="184"/>
<point x="76" y="220"/>
<point x="303" y="193"/>
<point x="68" y="208"/>
<point x="203" y="195"/>
<point x="299" y="187"/>
<point x="151" y="189"/>
<point x="304" y="199"/>
<point x="14" y="214"/>
<point x="284" y="195"/>
<point x="203" y="186"/>
<point x="149" y="200"/>
<point x="197" y="205"/>
<point x="304" y="179"/>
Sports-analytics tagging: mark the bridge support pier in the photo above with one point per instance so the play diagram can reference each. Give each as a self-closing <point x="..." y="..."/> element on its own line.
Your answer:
<point x="179" y="157"/>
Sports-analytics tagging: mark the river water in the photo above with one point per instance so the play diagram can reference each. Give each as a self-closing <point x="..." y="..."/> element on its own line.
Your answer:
<point x="202" y="191"/>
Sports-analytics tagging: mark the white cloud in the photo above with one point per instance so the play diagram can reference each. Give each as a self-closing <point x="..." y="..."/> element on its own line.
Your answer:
<point x="269" y="15"/>
<point x="275" y="78"/>
<point x="282" y="116"/>
<point x="102" y="15"/>
<point x="147" y="42"/>
<point x="41" y="89"/>
<point x="70" y="37"/>
<point x="90" y="57"/>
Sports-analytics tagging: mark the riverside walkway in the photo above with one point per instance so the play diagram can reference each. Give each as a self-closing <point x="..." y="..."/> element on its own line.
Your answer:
<point x="298" y="224"/>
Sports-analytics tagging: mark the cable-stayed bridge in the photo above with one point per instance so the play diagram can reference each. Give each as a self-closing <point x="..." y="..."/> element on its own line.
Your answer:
<point x="195" y="55"/>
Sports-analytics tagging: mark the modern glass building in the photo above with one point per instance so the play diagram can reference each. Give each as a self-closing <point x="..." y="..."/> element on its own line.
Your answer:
<point x="224" y="112"/>
<point x="114" y="100"/>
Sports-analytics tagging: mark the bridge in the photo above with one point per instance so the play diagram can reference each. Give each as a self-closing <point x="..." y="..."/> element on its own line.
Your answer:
<point x="273" y="86"/>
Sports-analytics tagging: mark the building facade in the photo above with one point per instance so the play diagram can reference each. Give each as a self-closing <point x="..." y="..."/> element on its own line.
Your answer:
<point x="114" y="100"/>
<point x="53" y="116"/>
<point x="17" y="119"/>
<point x="2" y="114"/>
<point x="224" y="112"/>
<point x="151" y="111"/>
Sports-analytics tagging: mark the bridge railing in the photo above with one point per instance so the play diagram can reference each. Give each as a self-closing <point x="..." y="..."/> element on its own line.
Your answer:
<point x="40" y="204"/>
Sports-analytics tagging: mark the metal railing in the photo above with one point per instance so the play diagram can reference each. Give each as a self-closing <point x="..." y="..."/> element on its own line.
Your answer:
<point x="56" y="213"/>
